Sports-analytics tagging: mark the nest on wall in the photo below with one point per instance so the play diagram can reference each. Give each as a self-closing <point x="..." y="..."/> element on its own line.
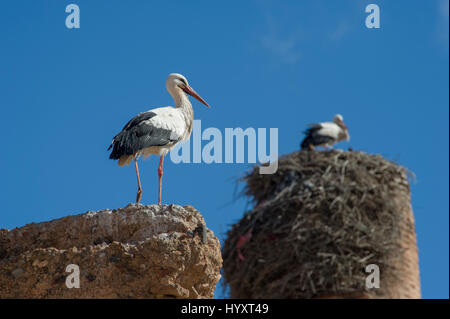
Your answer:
<point x="315" y="226"/>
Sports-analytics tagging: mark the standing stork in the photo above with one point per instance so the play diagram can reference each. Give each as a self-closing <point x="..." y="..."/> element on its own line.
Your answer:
<point x="158" y="130"/>
<point x="326" y="133"/>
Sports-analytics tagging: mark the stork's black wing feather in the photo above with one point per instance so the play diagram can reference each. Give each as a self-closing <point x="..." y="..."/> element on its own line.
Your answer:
<point x="138" y="119"/>
<point x="138" y="134"/>
<point x="313" y="138"/>
<point x="313" y="128"/>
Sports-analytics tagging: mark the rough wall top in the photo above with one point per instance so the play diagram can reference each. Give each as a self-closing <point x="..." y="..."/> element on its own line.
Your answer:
<point x="138" y="251"/>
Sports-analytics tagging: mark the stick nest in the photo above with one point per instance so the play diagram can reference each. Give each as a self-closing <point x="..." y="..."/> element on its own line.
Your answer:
<point x="316" y="224"/>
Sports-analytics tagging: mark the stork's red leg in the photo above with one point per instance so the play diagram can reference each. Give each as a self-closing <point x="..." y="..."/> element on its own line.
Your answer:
<point x="139" y="192"/>
<point x="160" y="174"/>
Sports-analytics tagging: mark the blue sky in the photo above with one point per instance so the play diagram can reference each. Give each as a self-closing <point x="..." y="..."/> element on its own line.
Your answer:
<point x="65" y="93"/>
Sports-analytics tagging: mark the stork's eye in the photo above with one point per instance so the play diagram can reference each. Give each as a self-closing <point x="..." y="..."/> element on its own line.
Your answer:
<point x="184" y="81"/>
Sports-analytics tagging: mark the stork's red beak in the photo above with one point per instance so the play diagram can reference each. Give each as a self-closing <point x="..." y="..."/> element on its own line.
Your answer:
<point x="192" y="92"/>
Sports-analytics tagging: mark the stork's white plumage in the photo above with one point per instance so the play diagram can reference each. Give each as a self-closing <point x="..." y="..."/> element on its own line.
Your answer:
<point x="326" y="133"/>
<point x="158" y="130"/>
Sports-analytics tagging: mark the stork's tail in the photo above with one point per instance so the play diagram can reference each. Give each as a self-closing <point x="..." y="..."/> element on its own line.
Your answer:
<point x="117" y="154"/>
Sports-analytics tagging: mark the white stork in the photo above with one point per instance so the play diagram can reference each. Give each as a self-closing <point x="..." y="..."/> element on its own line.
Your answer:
<point x="326" y="133"/>
<point x="158" y="130"/>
